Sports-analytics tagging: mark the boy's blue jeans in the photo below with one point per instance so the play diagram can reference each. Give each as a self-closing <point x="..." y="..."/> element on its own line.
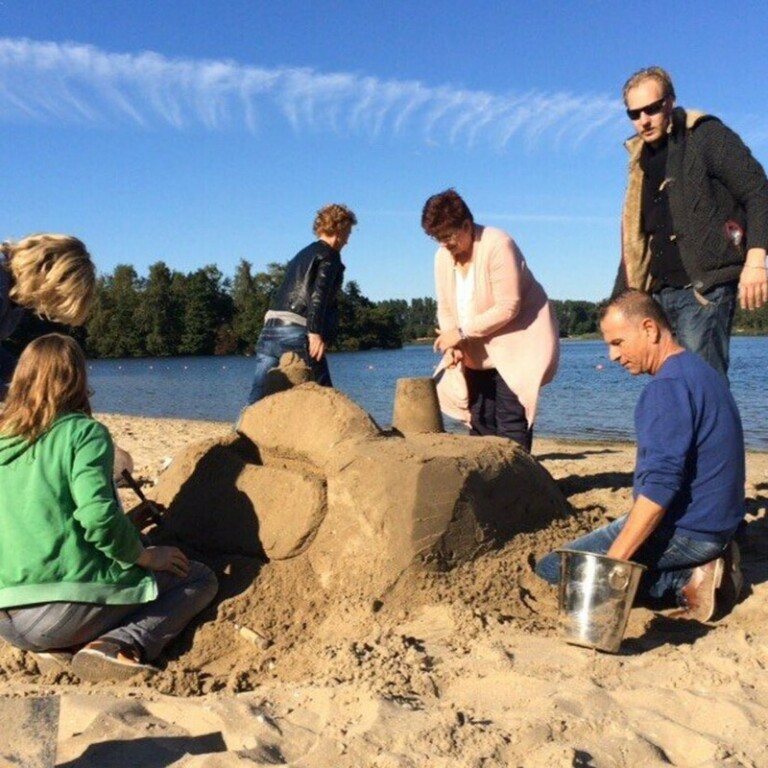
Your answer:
<point x="273" y="342"/>
<point x="669" y="557"/>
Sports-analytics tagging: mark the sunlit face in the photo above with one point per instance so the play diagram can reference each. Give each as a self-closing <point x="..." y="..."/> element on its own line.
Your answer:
<point x="459" y="242"/>
<point x="651" y="128"/>
<point x="630" y="342"/>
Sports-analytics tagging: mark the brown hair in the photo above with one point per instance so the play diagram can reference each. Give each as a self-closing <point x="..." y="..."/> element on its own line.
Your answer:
<point x="444" y="213"/>
<point x="52" y="275"/>
<point x="331" y="219"/>
<point x="50" y="380"/>
<point x="636" y="305"/>
<point x="661" y="76"/>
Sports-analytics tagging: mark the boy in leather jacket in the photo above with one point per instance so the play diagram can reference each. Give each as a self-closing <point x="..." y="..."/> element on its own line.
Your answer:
<point x="302" y="315"/>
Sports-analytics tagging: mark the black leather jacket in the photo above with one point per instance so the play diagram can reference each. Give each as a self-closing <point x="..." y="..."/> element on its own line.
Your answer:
<point x="310" y="288"/>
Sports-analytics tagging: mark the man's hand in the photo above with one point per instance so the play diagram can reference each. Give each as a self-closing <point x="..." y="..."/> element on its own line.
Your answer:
<point x="753" y="283"/>
<point x="316" y="346"/>
<point x="170" y="559"/>
<point x="643" y="519"/>
<point x="446" y="340"/>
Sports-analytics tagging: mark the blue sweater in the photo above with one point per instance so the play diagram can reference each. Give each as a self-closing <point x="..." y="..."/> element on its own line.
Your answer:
<point x="690" y="449"/>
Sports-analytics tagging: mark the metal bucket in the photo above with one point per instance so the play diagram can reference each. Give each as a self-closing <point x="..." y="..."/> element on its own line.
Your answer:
<point x="596" y="595"/>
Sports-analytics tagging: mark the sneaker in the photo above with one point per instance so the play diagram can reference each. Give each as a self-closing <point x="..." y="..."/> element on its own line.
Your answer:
<point x="699" y="594"/>
<point x="106" y="660"/>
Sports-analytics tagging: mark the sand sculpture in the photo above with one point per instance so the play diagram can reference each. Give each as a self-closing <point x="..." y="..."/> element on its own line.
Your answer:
<point x="309" y="474"/>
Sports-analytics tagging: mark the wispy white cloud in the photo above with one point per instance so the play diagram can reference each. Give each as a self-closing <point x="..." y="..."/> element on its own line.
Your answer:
<point x="80" y="83"/>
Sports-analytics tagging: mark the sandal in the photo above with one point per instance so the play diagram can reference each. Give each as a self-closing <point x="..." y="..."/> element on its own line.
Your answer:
<point x="106" y="660"/>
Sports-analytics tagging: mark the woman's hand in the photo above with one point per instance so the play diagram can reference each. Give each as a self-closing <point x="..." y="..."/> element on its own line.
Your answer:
<point x="446" y="340"/>
<point x="170" y="559"/>
<point x="145" y="514"/>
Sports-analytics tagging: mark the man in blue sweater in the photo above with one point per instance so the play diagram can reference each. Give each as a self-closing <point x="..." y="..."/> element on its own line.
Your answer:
<point x="689" y="477"/>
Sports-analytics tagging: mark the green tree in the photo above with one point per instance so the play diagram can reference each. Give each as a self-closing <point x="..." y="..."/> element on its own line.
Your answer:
<point x="422" y="318"/>
<point x="576" y="318"/>
<point x="203" y="302"/>
<point x="250" y="296"/>
<point x="365" y="325"/>
<point x="751" y="322"/>
<point x="113" y="330"/>
<point x="378" y="327"/>
<point x="350" y="303"/>
<point x="158" y="313"/>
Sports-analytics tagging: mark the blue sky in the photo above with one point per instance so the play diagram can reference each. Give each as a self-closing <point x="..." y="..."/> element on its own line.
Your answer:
<point x="200" y="132"/>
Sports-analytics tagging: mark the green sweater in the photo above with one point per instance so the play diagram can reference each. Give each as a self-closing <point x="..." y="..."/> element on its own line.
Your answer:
<point x="63" y="537"/>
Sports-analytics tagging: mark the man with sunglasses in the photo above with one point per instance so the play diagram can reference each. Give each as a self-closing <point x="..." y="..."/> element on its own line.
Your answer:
<point x="695" y="218"/>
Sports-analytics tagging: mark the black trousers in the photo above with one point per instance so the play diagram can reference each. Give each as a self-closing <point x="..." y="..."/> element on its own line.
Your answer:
<point x="495" y="409"/>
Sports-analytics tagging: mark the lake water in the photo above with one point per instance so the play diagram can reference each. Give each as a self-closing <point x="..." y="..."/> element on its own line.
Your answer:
<point x="591" y="398"/>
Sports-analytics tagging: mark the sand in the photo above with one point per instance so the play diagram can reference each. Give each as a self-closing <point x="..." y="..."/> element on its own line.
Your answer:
<point x="448" y="668"/>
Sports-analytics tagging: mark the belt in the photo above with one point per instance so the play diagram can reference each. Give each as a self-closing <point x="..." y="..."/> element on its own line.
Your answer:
<point x="673" y="287"/>
<point x="275" y="322"/>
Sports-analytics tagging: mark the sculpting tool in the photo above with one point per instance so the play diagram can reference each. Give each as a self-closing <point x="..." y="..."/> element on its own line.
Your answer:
<point x="154" y="513"/>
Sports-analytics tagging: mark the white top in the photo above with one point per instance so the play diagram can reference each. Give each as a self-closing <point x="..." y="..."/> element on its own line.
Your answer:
<point x="465" y="291"/>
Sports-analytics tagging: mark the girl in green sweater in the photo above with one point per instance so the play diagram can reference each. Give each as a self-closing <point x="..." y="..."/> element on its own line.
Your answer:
<point x="74" y="572"/>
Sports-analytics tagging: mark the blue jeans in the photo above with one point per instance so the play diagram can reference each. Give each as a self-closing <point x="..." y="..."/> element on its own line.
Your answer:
<point x="668" y="556"/>
<point x="702" y="322"/>
<point x="149" y="627"/>
<point x="273" y="342"/>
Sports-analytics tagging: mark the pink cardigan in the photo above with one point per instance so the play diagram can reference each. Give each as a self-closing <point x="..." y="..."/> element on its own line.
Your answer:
<point x="511" y="328"/>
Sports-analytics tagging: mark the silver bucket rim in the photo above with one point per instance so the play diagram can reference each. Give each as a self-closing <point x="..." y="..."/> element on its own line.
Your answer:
<point x="603" y="557"/>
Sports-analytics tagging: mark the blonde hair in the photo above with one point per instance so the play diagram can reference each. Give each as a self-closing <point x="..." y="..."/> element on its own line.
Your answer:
<point x="331" y="219"/>
<point x="52" y="275"/>
<point x="661" y="76"/>
<point x="50" y="380"/>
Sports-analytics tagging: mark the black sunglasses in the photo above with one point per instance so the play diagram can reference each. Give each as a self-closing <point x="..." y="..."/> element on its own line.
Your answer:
<point x="650" y="109"/>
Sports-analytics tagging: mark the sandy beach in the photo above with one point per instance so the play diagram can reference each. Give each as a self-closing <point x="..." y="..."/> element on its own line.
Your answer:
<point x="458" y="668"/>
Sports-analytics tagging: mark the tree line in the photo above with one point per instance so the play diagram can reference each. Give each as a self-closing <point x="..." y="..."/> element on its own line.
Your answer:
<point x="203" y="312"/>
<point x="170" y="313"/>
<point x="581" y="318"/>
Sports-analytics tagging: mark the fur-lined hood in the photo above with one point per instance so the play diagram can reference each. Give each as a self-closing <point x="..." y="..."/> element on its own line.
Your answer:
<point x="636" y="257"/>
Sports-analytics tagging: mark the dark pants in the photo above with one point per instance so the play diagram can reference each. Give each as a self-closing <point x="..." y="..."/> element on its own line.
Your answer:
<point x="702" y="321"/>
<point x="495" y="409"/>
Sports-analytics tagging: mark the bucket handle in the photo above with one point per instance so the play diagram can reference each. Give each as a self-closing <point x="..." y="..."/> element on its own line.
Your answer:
<point x="619" y="578"/>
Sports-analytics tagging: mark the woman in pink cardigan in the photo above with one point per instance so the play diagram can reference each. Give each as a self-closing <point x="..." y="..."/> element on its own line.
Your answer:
<point x="498" y="334"/>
